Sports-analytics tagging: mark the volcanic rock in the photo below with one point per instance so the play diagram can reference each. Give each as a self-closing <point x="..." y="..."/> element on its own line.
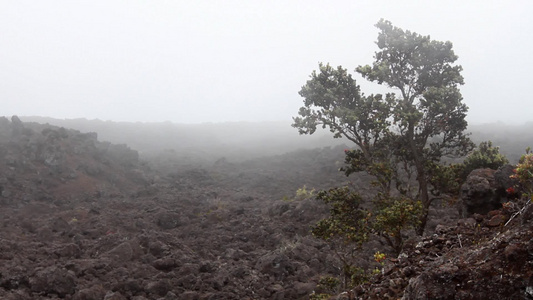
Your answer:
<point x="53" y="280"/>
<point x="478" y="193"/>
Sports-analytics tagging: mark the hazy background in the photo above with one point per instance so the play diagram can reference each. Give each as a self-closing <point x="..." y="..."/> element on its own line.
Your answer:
<point x="216" y="61"/>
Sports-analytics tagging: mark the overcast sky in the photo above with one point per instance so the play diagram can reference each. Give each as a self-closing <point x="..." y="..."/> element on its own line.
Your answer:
<point x="216" y="61"/>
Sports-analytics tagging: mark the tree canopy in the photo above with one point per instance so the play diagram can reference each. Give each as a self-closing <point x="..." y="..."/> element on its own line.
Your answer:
<point x="399" y="137"/>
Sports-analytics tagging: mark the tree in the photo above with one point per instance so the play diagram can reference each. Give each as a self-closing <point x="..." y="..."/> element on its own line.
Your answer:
<point x="400" y="136"/>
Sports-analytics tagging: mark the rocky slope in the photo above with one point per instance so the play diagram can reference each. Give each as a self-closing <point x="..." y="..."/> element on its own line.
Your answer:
<point x="83" y="219"/>
<point x="486" y="255"/>
<point x="470" y="260"/>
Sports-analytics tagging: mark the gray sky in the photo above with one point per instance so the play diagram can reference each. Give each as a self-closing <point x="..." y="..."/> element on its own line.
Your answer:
<point x="215" y="61"/>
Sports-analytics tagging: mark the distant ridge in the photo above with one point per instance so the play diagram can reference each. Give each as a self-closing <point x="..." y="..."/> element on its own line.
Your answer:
<point x="233" y="140"/>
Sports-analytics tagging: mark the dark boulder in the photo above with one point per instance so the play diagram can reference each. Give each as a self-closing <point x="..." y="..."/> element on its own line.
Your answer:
<point x="277" y="265"/>
<point x="168" y="220"/>
<point x="424" y="287"/>
<point x="53" y="280"/>
<point x="96" y="292"/>
<point x="123" y="252"/>
<point x="478" y="193"/>
<point x="503" y="178"/>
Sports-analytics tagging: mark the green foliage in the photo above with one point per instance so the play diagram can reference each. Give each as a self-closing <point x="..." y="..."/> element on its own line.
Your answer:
<point x="346" y="229"/>
<point x="357" y="276"/>
<point x="375" y="272"/>
<point x="353" y="225"/>
<point x="319" y="296"/>
<point x="449" y="178"/>
<point x="380" y="257"/>
<point x="347" y="221"/>
<point x="378" y="164"/>
<point x="399" y="137"/>
<point x="395" y="215"/>
<point x="485" y="156"/>
<point x="332" y="99"/>
<point x="429" y="114"/>
<point x="524" y="173"/>
<point x="303" y="193"/>
<point x="446" y="179"/>
<point x="328" y="285"/>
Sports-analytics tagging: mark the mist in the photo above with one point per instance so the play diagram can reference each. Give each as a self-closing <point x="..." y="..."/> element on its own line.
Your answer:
<point x="150" y="154"/>
<point x="201" y="61"/>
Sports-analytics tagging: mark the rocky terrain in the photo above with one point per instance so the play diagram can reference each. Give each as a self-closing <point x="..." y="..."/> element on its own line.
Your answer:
<point x="84" y="219"/>
<point x="482" y="257"/>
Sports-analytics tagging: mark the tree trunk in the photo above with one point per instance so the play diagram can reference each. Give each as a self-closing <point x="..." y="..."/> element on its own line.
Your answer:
<point x="424" y="197"/>
<point x="421" y="178"/>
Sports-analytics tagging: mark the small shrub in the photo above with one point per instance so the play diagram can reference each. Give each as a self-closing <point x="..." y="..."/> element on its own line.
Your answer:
<point x="357" y="276"/>
<point x="524" y="174"/>
<point x="485" y="156"/>
<point x="303" y="193"/>
<point x="347" y="220"/>
<point x="394" y="216"/>
<point x="328" y="285"/>
<point x="447" y="179"/>
<point x="380" y="257"/>
<point x="376" y="271"/>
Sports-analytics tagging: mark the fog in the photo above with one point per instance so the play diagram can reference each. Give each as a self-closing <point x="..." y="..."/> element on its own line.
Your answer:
<point x="204" y="144"/>
<point x="229" y="61"/>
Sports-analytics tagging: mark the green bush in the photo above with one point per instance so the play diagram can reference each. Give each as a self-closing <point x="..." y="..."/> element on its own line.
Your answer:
<point x="447" y="179"/>
<point x="357" y="276"/>
<point x="395" y="215"/>
<point x="319" y="296"/>
<point x="328" y="285"/>
<point x="347" y="221"/>
<point x="485" y="156"/>
<point x="303" y="193"/>
<point x="524" y="173"/>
